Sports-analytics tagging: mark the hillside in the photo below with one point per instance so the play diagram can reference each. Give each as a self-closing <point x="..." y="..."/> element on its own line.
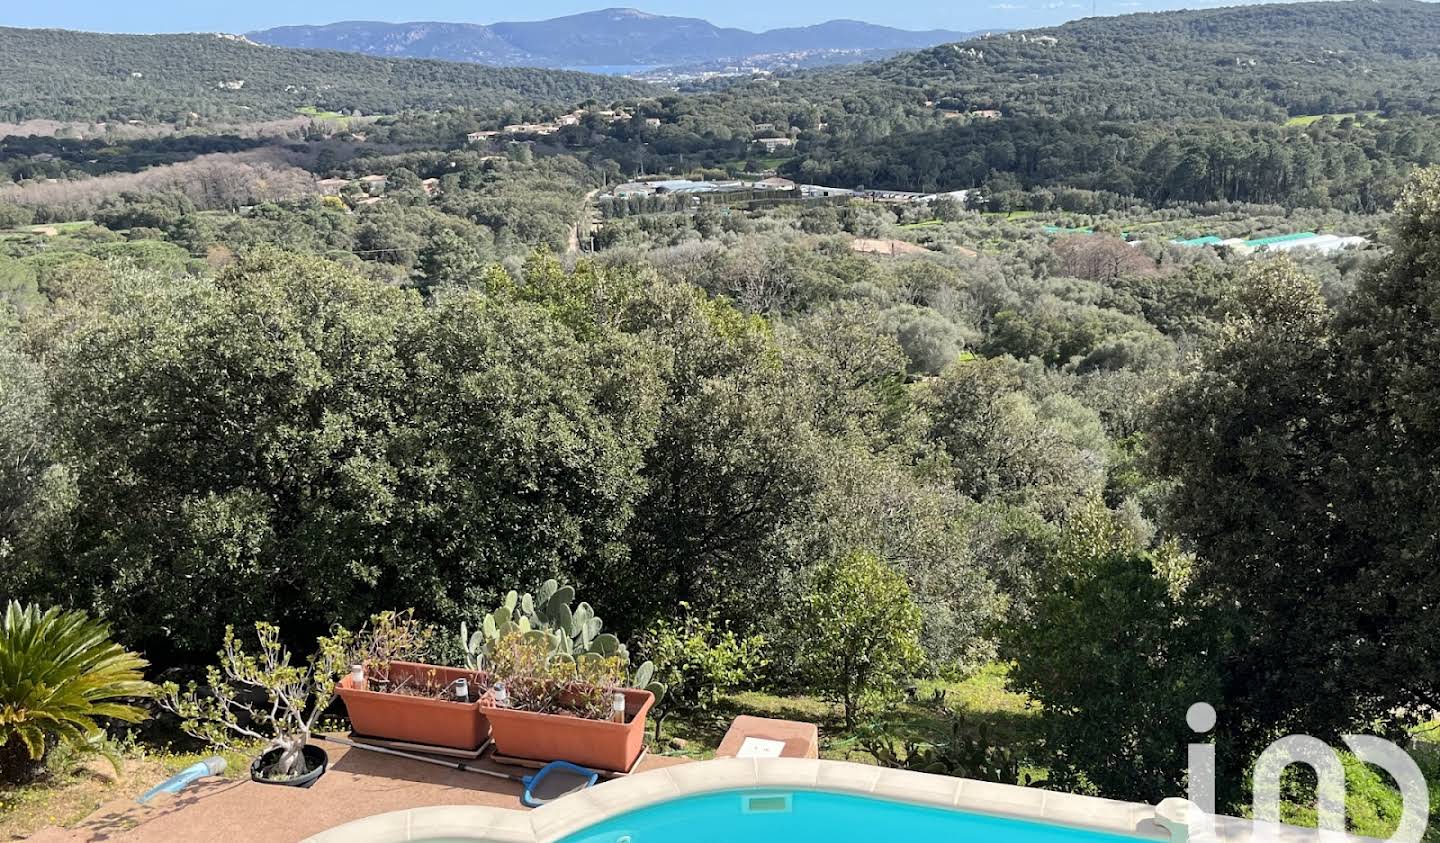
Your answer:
<point x="1250" y="62"/>
<point x="605" y="37"/>
<point x="1311" y="103"/>
<point x="65" y="75"/>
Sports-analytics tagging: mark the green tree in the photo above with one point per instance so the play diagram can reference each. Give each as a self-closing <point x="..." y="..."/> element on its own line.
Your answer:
<point x="859" y="633"/>
<point x="1389" y="382"/>
<point x="1000" y="446"/>
<point x="931" y="342"/>
<point x="31" y="484"/>
<point x="450" y="258"/>
<point x="697" y="660"/>
<point x="733" y="463"/>
<point x="384" y="237"/>
<point x="1114" y="652"/>
<point x="14" y="216"/>
<point x="869" y="502"/>
<point x="19" y="290"/>
<point x="1248" y="439"/>
<point x="294" y="442"/>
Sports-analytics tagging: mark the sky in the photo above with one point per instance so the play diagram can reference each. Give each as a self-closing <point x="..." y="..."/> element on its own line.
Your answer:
<point x="250" y="15"/>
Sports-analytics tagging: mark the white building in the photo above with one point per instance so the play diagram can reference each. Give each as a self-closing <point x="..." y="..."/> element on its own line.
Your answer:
<point x="820" y="191"/>
<point x="772" y="144"/>
<point x="1325" y="244"/>
<point x="633" y="188"/>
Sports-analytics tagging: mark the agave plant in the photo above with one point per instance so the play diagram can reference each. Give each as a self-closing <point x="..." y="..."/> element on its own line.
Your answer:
<point x="60" y="673"/>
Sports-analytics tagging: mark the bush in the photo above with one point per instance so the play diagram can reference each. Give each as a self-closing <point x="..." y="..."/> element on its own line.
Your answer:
<point x="1115" y="655"/>
<point x="295" y="695"/>
<point x="697" y="661"/>
<point x="931" y="342"/>
<point x="60" y="674"/>
<point x="859" y="632"/>
<point x="14" y="216"/>
<point x="302" y="420"/>
<point x="965" y="751"/>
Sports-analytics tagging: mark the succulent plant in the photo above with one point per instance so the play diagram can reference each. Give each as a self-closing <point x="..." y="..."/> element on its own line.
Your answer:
<point x="546" y="615"/>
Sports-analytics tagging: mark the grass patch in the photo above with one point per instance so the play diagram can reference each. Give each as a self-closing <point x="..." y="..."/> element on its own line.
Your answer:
<point x="316" y="114"/>
<point x="67" y="227"/>
<point x="923" y="224"/>
<point x="53" y="229"/>
<point x="1312" y="119"/>
<point x="1009" y="215"/>
<point x="766" y="162"/>
<point x="1372" y="802"/>
<point x="76" y="787"/>
<point x="981" y="698"/>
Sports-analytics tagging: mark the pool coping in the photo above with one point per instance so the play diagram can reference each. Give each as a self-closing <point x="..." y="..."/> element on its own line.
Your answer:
<point x="581" y="810"/>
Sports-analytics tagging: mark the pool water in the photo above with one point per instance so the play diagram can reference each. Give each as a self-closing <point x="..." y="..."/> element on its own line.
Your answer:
<point x="762" y="816"/>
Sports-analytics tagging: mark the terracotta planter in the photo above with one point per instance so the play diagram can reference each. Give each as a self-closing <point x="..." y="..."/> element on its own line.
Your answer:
<point x="425" y="720"/>
<point x="600" y="744"/>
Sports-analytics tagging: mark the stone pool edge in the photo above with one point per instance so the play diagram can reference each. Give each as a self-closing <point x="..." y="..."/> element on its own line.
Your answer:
<point x="581" y="810"/>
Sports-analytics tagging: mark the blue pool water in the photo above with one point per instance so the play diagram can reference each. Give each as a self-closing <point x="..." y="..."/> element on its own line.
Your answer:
<point x="761" y="816"/>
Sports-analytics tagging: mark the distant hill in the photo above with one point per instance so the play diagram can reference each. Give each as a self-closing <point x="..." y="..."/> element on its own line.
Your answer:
<point x="1261" y="62"/>
<point x="609" y="37"/>
<point x="1295" y="103"/>
<point x="65" y="75"/>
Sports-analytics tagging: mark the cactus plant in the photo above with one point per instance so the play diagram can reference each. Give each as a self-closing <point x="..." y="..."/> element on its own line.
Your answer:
<point x="570" y="633"/>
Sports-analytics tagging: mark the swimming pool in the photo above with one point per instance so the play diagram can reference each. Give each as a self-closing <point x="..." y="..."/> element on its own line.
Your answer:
<point x="788" y="799"/>
<point x="775" y="816"/>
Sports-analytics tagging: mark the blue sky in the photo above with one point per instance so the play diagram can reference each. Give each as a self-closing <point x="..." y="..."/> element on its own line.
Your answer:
<point x="202" y="16"/>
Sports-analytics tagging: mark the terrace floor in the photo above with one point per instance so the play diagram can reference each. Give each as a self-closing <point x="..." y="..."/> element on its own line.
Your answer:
<point x="358" y="784"/>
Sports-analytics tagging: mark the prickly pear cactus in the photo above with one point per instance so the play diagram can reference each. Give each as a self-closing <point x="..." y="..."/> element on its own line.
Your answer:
<point x="571" y="634"/>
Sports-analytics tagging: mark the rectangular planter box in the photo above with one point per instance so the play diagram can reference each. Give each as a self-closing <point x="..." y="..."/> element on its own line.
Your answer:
<point x="600" y="744"/>
<point x="401" y="717"/>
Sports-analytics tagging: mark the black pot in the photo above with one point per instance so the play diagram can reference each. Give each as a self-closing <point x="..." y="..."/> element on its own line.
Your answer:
<point x="315" y="759"/>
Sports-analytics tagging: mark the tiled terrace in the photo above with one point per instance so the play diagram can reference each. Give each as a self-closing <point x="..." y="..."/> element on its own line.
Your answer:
<point x="359" y="784"/>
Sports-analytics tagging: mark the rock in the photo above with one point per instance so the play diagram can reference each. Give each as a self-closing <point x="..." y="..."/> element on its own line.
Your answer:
<point x="678" y="743"/>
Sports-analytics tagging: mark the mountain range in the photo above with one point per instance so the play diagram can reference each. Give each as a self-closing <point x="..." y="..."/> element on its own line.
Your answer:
<point x="59" y="74"/>
<point x="604" y="38"/>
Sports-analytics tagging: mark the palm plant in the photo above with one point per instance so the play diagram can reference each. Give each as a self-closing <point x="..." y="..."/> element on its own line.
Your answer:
<point x="60" y="673"/>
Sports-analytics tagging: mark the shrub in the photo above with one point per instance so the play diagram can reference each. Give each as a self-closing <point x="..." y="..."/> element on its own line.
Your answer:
<point x="59" y="675"/>
<point x="696" y="661"/>
<point x="1115" y="652"/>
<point x="965" y="751"/>
<point x="555" y="656"/>
<point x="296" y="696"/>
<point x="390" y="637"/>
<point x="859" y="632"/>
<point x="538" y="679"/>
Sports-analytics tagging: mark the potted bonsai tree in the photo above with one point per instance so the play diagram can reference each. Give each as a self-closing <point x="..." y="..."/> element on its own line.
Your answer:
<point x="389" y="694"/>
<point x="228" y="712"/>
<point x="567" y="690"/>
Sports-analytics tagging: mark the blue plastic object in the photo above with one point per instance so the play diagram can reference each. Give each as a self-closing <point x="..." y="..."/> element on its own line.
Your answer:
<point x="212" y="766"/>
<point x="580" y="776"/>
